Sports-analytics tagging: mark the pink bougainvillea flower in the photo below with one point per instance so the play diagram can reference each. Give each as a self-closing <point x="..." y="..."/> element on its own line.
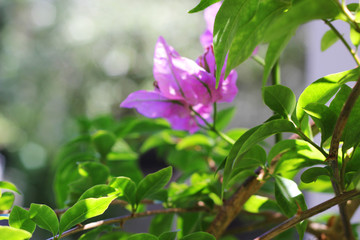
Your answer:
<point x="181" y="85"/>
<point x="206" y="39"/>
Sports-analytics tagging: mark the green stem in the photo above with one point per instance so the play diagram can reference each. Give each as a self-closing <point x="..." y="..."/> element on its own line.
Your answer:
<point x="304" y="137"/>
<point x="342" y="39"/>
<point x="259" y="60"/>
<point x="215" y="114"/>
<point x="276" y="80"/>
<point x="212" y="128"/>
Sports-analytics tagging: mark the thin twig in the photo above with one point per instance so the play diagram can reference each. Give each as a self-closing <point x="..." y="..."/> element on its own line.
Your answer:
<point x="291" y="222"/>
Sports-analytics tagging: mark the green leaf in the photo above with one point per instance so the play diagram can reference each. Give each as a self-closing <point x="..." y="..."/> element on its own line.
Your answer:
<point x="232" y="16"/>
<point x="194" y="140"/>
<point x="161" y="223"/>
<point x="143" y="236"/>
<point x="6" y="200"/>
<point x="256" y="156"/>
<point x="188" y="223"/>
<point x="301" y="228"/>
<point x="288" y="196"/>
<point x="20" y="218"/>
<point x="352" y="128"/>
<point x="198" y="236"/>
<point x="168" y="236"/>
<point x="98" y="191"/>
<point x="83" y="210"/>
<point x="152" y="183"/>
<point x="323" y="117"/>
<point x="257" y="204"/>
<point x="251" y="34"/>
<point x="280" y="99"/>
<point x="328" y="39"/>
<point x="11" y="233"/>
<point x="44" y="217"/>
<point x="338" y="102"/>
<point x="323" y="89"/>
<point x="224" y="117"/>
<point x="251" y="138"/>
<point x="273" y="53"/>
<point x="93" y="234"/>
<point x="9" y="186"/>
<point x="103" y="141"/>
<point x="126" y="186"/>
<point x="312" y="174"/>
<point x="202" y="5"/>
<point x="354" y="37"/>
<point x="300" y="13"/>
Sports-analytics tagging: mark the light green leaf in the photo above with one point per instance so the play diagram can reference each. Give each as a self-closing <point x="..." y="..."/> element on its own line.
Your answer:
<point x="352" y="128"/>
<point x="161" y="223"/>
<point x="9" y="186"/>
<point x="328" y="39"/>
<point x="168" y="236"/>
<point x="288" y="196"/>
<point x="354" y="37"/>
<point x="98" y="191"/>
<point x="193" y="141"/>
<point x="312" y="174"/>
<point x="251" y="34"/>
<point x="224" y="117"/>
<point x="280" y="99"/>
<point x="143" y="236"/>
<point x="296" y="16"/>
<point x="198" y="236"/>
<point x="44" y="217"/>
<point x="6" y="200"/>
<point x="20" y="218"/>
<point x="83" y="210"/>
<point x="152" y="183"/>
<point x="323" y="117"/>
<point x="103" y="141"/>
<point x="323" y="89"/>
<point x="301" y="228"/>
<point x="202" y="5"/>
<point x="338" y="102"/>
<point x="232" y="16"/>
<point x="11" y="233"/>
<point x="257" y="204"/>
<point x="127" y="186"/>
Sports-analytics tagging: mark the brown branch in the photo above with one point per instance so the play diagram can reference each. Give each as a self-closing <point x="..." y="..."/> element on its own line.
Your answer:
<point x="122" y="219"/>
<point x="291" y="222"/>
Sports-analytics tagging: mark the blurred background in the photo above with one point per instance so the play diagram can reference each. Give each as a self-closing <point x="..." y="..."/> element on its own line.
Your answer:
<point x="61" y="60"/>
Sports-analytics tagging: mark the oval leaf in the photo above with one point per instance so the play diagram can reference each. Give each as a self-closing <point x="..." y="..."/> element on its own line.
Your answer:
<point x="127" y="186"/>
<point x="312" y="174"/>
<point x="20" y="218"/>
<point x="198" y="236"/>
<point x="98" y="191"/>
<point x="280" y="99"/>
<point x="168" y="236"/>
<point x="103" y="141"/>
<point x="328" y="39"/>
<point x="44" y="217"/>
<point x="9" y="186"/>
<point x="143" y="236"/>
<point x="14" y="233"/>
<point x="202" y="5"/>
<point x="6" y="200"/>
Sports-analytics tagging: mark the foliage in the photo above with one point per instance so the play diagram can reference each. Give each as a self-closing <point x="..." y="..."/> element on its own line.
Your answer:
<point x="212" y="177"/>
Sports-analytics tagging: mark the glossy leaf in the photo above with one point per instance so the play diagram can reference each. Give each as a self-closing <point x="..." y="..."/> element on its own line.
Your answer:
<point x="194" y="140"/>
<point x="83" y="210"/>
<point x="6" y="200"/>
<point x="312" y="174"/>
<point x="256" y="156"/>
<point x="14" y="233"/>
<point x="328" y="39"/>
<point x="103" y="141"/>
<point x="224" y="117"/>
<point x="323" y="117"/>
<point x="352" y="128"/>
<point x="20" y="218"/>
<point x="44" y="217"/>
<point x="168" y="236"/>
<point x="288" y="196"/>
<point x="257" y="204"/>
<point x="152" y="183"/>
<point x="338" y="102"/>
<point x="127" y="186"/>
<point x="354" y="37"/>
<point x="143" y="236"/>
<point x="161" y="223"/>
<point x="9" y="186"/>
<point x="280" y="99"/>
<point x="98" y="191"/>
<point x="323" y="89"/>
<point x="188" y="223"/>
<point x="295" y="16"/>
<point x="198" y="236"/>
<point x="248" y="36"/>
<point x="202" y="5"/>
<point x="93" y="234"/>
<point x="232" y="16"/>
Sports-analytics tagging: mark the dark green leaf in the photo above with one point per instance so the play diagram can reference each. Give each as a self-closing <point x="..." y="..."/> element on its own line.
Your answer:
<point x="251" y="34"/>
<point x="280" y="99"/>
<point x="143" y="236"/>
<point x="312" y="174"/>
<point x="323" y="89"/>
<point x="9" y="186"/>
<point x="127" y="186"/>
<point x="20" y="218"/>
<point x="328" y="39"/>
<point x="202" y="5"/>
<point x="98" y="191"/>
<point x="103" y="141"/>
<point x="255" y="157"/>
<point x="323" y="117"/>
<point x="6" y="200"/>
<point x="152" y="183"/>
<point x="188" y="223"/>
<point x="83" y="210"/>
<point x="93" y="234"/>
<point x="224" y="117"/>
<point x="232" y="16"/>
<point x="296" y="16"/>
<point x="168" y="236"/>
<point x="161" y="223"/>
<point x="337" y="104"/>
<point x="288" y="196"/>
<point x="273" y="53"/>
<point x="198" y="236"/>
<point x="352" y="128"/>
<point x="301" y="228"/>
<point x="44" y="217"/>
<point x="11" y="233"/>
